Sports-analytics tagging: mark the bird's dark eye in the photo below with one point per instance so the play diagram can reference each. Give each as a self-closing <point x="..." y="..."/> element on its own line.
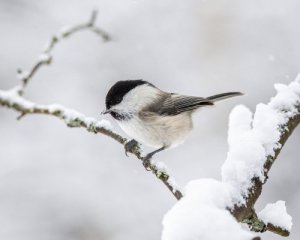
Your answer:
<point x="119" y="116"/>
<point x="116" y="115"/>
<point x="113" y="113"/>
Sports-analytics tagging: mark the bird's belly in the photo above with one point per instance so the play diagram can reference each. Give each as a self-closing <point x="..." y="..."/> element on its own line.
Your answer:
<point x="167" y="131"/>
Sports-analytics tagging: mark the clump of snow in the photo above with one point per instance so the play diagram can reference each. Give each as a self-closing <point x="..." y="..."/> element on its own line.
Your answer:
<point x="160" y="166"/>
<point x="266" y="126"/>
<point x="203" y="211"/>
<point x="45" y="57"/>
<point x="276" y="214"/>
<point x="70" y="116"/>
<point x="104" y="124"/>
<point x="286" y="98"/>
<point x="56" y="108"/>
<point x="252" y="138"/>
<point x="246" y="156"/>
<point x="173" y="184"/>
<point x="92" y="123"/>
<point x="12" y="97"/>
<point x="202" y="215"/>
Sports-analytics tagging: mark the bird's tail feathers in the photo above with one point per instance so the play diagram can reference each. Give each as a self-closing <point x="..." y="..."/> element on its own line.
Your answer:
<point x="222" y="96"/>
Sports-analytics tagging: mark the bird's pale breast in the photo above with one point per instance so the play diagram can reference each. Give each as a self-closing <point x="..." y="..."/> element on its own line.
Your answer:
<point x="151" y="130"/>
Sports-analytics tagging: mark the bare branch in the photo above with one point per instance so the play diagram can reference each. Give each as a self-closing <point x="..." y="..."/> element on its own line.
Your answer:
<point x="278" y="230"/>
<point x="93" y="17"/>
<point x="257" y="225"/>
<point x="45" y="57"/>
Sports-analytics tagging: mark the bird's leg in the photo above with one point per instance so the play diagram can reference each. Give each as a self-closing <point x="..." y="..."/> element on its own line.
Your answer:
<point x="130" y="146"/>
<point x="147" y="158"/>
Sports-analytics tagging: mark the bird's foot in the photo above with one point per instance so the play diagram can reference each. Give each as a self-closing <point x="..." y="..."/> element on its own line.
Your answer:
<point x="147" y="162"/>
<point x="131" y="147"/>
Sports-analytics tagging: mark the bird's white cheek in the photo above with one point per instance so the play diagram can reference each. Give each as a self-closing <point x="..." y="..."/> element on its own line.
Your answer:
<point x="123" y="107"/>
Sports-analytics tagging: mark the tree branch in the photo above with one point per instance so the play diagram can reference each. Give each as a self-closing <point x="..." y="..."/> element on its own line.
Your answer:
<point x="14" y="99"/>
<point x="45" y="57"/>
<point x="246" y="213"/>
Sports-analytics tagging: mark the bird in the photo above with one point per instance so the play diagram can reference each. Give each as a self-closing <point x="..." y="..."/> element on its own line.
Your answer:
<point x="154" y="117"/>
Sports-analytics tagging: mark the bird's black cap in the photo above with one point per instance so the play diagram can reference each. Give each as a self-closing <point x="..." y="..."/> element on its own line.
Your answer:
<point x="119" y="89"/>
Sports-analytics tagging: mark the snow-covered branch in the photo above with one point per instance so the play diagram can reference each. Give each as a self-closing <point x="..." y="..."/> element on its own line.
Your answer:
<point x="255" y="142"/>
<point x="14" y="99"/>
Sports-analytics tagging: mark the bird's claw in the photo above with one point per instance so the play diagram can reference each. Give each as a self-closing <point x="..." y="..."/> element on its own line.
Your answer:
<point x="147" y="165"/>
<point x="147" y="161"/>
<point x="130" y="146"/>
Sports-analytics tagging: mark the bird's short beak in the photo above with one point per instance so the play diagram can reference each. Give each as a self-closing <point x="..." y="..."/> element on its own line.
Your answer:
<point x="106" y="111"/>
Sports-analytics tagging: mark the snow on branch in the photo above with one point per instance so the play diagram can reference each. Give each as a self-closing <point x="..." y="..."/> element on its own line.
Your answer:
<point x="14" y="99"/>
<point x="254" y="143"/>
<point x="276" y="214"/>
<point x="72" y="118"/>
<point x="202" y="214"/>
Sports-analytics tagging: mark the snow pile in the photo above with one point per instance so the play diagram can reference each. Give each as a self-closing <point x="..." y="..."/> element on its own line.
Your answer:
<point x="277" y="215"/>
<point x="201" y="214"/>
<point x="252" y="139"/>
<point x="246" y="155"/>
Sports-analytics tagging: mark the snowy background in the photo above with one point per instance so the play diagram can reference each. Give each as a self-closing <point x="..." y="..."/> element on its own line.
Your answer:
<point x="62" y="183"/>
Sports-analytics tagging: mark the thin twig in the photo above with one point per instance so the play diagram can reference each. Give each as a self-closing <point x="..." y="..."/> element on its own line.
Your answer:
<point x="46" y="56"/>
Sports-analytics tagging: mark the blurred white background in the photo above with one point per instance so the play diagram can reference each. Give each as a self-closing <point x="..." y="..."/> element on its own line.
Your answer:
<point x="62" y="183"/>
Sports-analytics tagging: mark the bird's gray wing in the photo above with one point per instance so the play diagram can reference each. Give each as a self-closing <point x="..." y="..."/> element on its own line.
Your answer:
<point x="175" y="104"/>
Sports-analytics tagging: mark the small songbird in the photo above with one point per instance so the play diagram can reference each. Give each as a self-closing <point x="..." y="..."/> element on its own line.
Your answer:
<point x="153" y="117"/>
